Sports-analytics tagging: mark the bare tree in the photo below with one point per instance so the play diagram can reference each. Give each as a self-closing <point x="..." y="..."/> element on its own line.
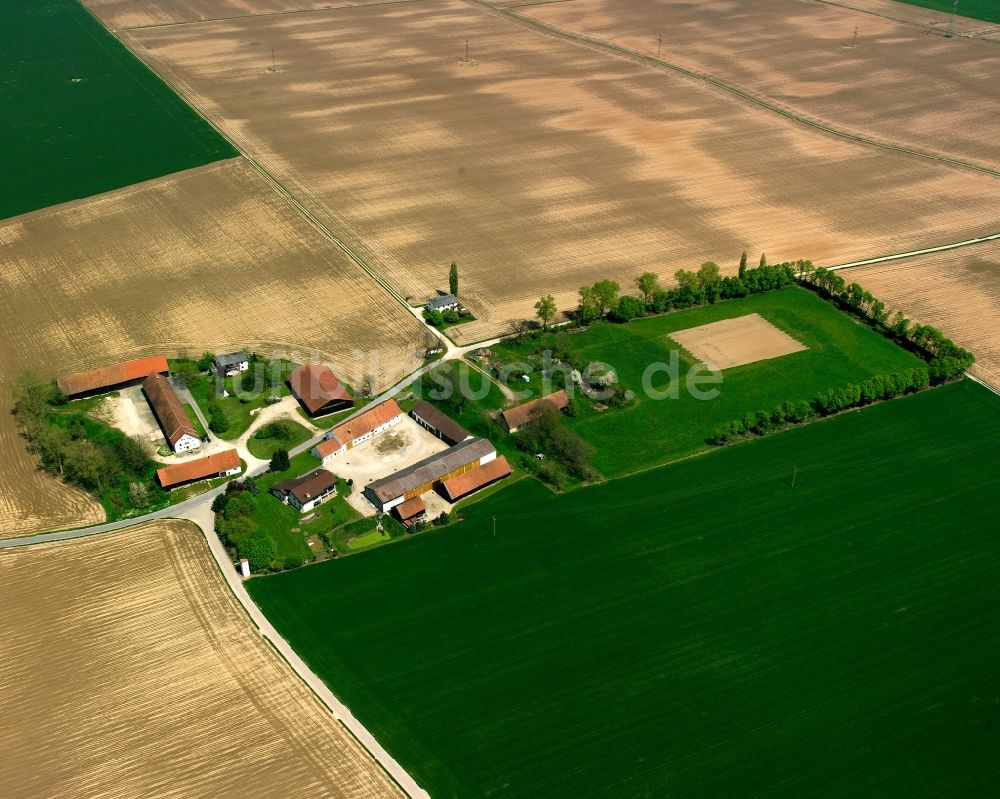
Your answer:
<point x="517" y="328"/>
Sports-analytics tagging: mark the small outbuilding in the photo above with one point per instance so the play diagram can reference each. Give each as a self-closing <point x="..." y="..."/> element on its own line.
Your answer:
<point x="446" y="302"/>
<point x="513" y="419"/>
<point x="231" y="363"/>
<point x="318" y="389"/>
<point x="307" y="492"/>
<point x="412" y="511"/>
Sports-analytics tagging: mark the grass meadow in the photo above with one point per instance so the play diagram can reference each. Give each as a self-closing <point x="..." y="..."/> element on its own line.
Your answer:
<point x="687" y="632"/>
<point x="91" y="117"/>
<point x="651" y="431"/>
<point x="986" y="10"/>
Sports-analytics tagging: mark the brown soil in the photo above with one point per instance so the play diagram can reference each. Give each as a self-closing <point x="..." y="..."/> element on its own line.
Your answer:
<point x="210" y="259"/>
<point x="734" y="342"/>
<point x="957" y="291"/>
<point x="902" y="82"/>
<point x="543" y="165"/>
<point x="129" y="670"/>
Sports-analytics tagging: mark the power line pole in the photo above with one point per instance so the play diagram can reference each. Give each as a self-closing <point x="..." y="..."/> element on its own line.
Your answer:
<point x="951" y="22"/>
<point x="854" y="41"/>
<point x="659" y="44"/>
<point x="494" y="526"/>
<point x="794" y="475"/>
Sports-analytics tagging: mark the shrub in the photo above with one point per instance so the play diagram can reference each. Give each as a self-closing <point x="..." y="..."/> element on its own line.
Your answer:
<point x="280" y="461"/>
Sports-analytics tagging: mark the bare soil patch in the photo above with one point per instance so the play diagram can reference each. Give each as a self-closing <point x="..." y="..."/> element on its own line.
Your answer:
<point x="543" y="165"/>
<point x="735" y="342"/>
<point x="405" y="444"/>
<point x="129" y="670"/>
<point x="209" y="259"/>
<point x="956" y="291"/>
<point x="798" y="53"/>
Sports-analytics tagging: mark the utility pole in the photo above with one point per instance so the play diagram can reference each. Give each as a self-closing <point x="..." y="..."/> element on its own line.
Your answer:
<point x="494" y="526"/>
<point x="659" y="44"/>
<point x="951" y="22"/>
<point x="794" y="475"/>
<point x="854" y="41"/>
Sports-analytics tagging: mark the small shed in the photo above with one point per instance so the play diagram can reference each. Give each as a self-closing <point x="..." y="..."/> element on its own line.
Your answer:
<point x="412" y="511"/>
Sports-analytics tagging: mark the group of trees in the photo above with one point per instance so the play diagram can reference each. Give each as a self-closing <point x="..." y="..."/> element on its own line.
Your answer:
<point x="945" y="359"/>
<point x="236" y="525"/>
<point x="875" y="389"/>
<point x="79" y="449"/>
<point x="280" y="429"/>
<point x="706" y="285"/>
<point x="564" y="450"/>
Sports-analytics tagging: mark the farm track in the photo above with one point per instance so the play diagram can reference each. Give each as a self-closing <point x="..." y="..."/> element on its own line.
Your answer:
<point x="732" y="89"/>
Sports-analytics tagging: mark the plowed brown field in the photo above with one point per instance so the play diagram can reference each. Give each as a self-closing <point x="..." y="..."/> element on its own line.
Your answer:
<point x="957" y="291"/>
<point x="208" y="259"/>
<point x="129" y="670"/>
<point x="117" y="14"/>
<point x="541" y="165"/>
<point x="903" y="82"/>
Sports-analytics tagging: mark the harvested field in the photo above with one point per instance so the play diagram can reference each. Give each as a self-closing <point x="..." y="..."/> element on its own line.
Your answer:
<point x="129" y="670"/>
<point x="889" y="86"/>
<point x="956" y="291"/>
<point x="540" y="159"/>
<point x="206" y="259"/>
<point x="118" y="14"/>
<point x="735" y="342"/>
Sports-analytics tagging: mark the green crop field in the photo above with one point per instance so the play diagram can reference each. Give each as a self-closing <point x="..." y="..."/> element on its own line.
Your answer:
<point x="987" y="10"/>
<point x="90" y="116"/>
<point x="653" y="431"/>
<point x="701" y="630"/>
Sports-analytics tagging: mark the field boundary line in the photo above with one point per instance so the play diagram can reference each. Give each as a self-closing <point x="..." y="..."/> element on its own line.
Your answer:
<point x="732" y="89"/>
<point x="915" y="253"/>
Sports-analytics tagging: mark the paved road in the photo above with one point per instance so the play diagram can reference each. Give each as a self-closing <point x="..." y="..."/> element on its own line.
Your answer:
<point x="912" y="253"/>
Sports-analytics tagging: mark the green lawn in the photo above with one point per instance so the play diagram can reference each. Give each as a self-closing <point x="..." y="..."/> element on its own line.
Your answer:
<point x="651" y="432"/>
<point x="987" y="10"/>
<point x="90" y="117"/>
<point x="279" y="520"/>
<point x="193" y="417"/>
<point x="700" y="630"/>
<point x="264" y="448"/>
<point x="247" y="393"/>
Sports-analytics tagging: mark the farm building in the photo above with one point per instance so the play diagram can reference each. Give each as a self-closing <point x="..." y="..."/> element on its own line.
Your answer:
<point x="177" y="427"/>
<point x="422" y="476"/>
<point x="109" y="378"/>
<point x="479" y="478"/>
<point x="412" y="511"/>
<point x="231" y="363"/>
<point x="305" y="493"/>
<point x="319" y="390"/>
<point x="438" y="423"/>
<point x="513" y="419"/>
<point x="221" y="464"/>
<point x="446" y="302"/>
<point x="361" y="428"/>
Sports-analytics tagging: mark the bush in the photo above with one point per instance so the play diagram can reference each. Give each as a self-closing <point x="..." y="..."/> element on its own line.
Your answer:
<point x="259" y="551"/>
<point x="280" y="461"/>
<point x="292" y="562"/>
<point x="435" y="318"/>
<point x="450" y="316"/>
<point x="280" y="429"/>
<point x="627" y="309"/>
<point x="138" y="495"/>
<point x="206" y="362"/>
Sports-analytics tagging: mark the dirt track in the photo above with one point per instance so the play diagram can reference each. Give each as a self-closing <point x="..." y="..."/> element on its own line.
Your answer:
<point x="129" y="670"/>
<point x="539" y="165"/>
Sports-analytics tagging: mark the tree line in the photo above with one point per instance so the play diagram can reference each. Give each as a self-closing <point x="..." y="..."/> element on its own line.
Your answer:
<point x="705" y="286"/>
<point x="788" y="414"/>
<point x="112" y="466"/>
<point x="945" y="359"/>
<point x="236" y="524"/>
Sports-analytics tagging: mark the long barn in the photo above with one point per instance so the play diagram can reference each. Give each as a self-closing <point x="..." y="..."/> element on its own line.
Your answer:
<point x="422" y="476"/>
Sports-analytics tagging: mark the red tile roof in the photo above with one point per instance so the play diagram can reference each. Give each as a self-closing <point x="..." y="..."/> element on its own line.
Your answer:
<point x="168" y="409"/>
<point x="410" y="508"/>
<point x="107" y="376"/>
<point x="198" y="469"/>
<point x="316" y="385"/>
<point x="520" y="415"/>
<point x="477" y="478"/>
<point x="364" y="423"/>
<point x="328" y="447"/>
